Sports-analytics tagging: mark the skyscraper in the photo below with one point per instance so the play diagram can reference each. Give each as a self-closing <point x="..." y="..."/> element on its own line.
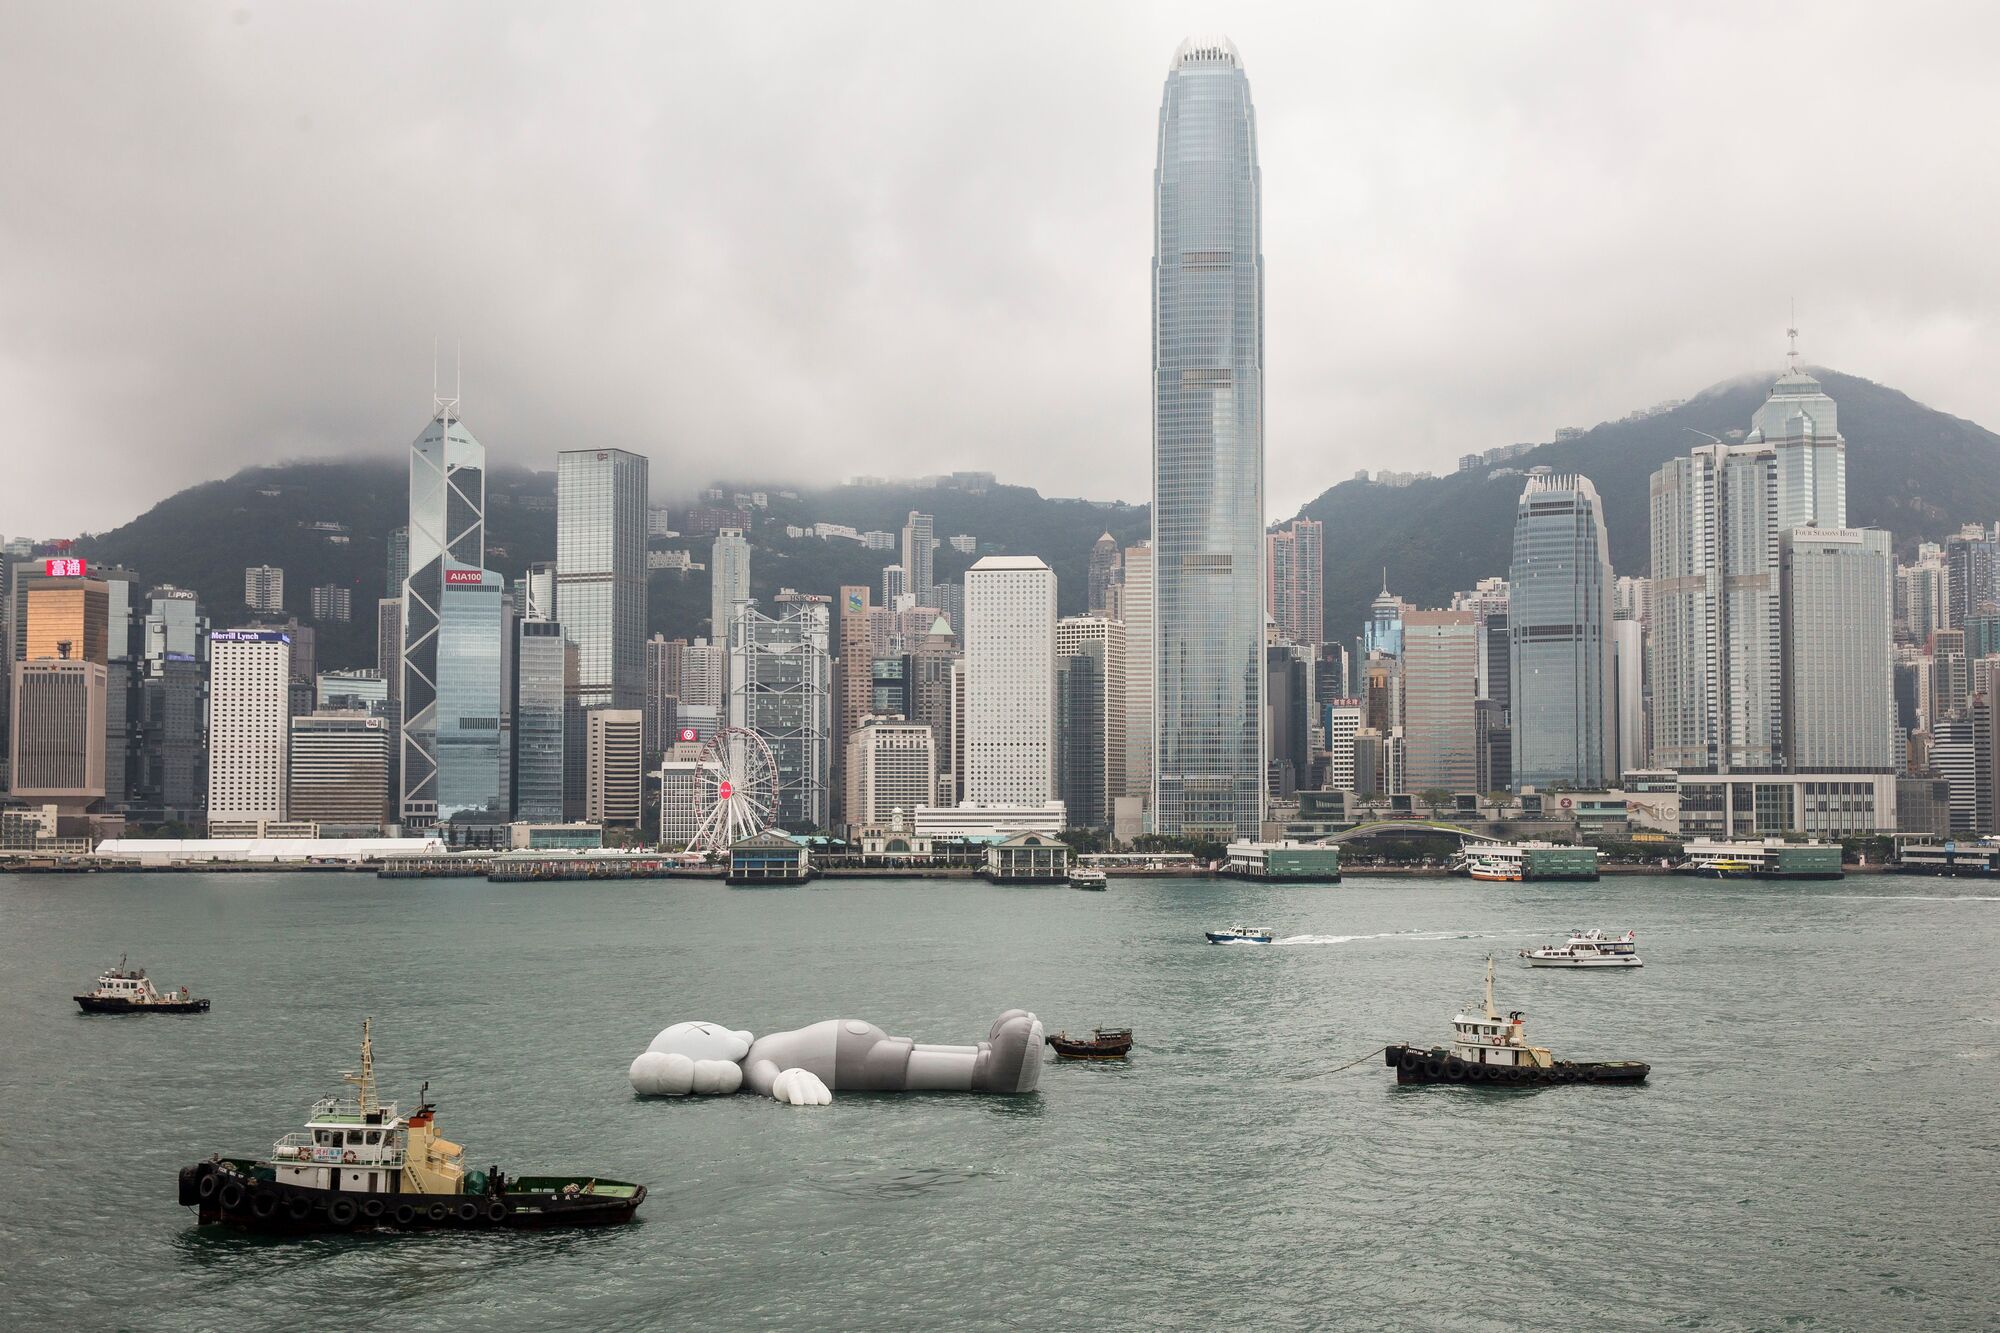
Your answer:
<point x="1714" y="638"/>
<point x="249" y="725"/>
<point x="398" y="562"/>
<point x="1839" y="693"/>
<point x="1296" y="597"/>
<point x="616" y="791"/>
<point x="853" y="676"/>
<point x="472" y="730"/>
<point x="1101" y="575"/>
<point x="264" y="588"/>
<point x="601" y="571"/>
<point x="729" y="581"/>
<point x="662" y="690"/>
<point x="1440" y="679"/>
<point x="1208" y="449"/>
<point x="339" y="776"/>
<point x="447" y="531"/>
<point x="544" y="679"/>
<point x="1559" y="634"/>
<point x="780" y="686"/>
<point x="917" y="544"/>
<point x="1010" y="682"/>
<point x="1091" y="652"/>
<point x="1135" y="605"/>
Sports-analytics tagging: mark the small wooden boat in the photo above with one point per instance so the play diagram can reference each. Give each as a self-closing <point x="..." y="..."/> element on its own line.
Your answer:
<point x="1102" y="1044"/>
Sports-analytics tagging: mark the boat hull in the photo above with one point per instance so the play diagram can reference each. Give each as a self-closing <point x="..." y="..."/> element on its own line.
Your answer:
<point x="1216" y="937"/>
<point x="223" y="1195"/>
<point x="1583" y="962"/>
<point x="1437" y="1065"/>
<point x="1084" y="1050"/>
<point x="99" y="1004"/>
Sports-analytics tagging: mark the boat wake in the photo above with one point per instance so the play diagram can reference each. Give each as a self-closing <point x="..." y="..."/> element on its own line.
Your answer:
<point x="1414" y="936"/>
<point x="1914" y="897"/>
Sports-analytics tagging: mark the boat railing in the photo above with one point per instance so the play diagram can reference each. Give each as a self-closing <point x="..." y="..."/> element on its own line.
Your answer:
<point x="351" y="1107"/>
<point x="301" y="1147"/>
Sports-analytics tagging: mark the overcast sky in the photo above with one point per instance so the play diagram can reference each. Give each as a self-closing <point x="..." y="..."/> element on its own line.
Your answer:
<point x="810" y="241"/>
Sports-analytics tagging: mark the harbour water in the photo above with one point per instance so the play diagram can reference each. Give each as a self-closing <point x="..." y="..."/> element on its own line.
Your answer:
<point x="1817" y="1147"/>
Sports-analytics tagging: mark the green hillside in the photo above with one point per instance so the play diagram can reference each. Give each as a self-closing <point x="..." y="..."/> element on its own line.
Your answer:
<point x="203" y="537"/>
<point x="1918" y="472"/>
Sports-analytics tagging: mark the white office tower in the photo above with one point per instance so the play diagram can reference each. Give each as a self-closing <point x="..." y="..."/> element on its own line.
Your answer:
<point x="1839" y="682"/>
<point x="729" y="581"/>
<point x="891" y="769"/>
<point x="704" y="674"/>
<point x="1010" y="681"/>
<point x="249" y="725"/>
<point x="917" y="555"/>
<point x="1344" y="718"/>
<point x="1714" y="641"/>
<point x="680" y="817"/>
<point x="1135" y="605"/>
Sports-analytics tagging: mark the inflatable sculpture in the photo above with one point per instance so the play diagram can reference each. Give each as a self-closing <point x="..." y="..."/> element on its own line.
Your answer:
<point x="806" y="1066"/>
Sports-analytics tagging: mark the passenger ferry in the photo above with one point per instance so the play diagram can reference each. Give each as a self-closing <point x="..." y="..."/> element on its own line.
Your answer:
<point x="1241" y="935"/>
<point x="1515" y="862"/>
<point x="362" y="1164"/>
<point x="124" y="990"/>
<point x="1588" y="948"/>
<point x="1488" y="1050"/>
<point x="1088" y="877"/>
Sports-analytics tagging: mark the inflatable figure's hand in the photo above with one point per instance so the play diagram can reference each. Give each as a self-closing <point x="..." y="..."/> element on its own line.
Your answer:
<point x="800" y="1087"/>
<point x="699" y="1058"/>
<point x="1011" y="1060"/>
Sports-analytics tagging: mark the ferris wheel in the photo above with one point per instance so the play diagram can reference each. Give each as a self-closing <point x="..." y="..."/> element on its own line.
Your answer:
<point x="735" y="790"/>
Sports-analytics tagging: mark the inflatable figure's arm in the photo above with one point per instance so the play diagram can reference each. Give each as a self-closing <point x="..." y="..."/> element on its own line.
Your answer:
<point x="793" y="1067"/>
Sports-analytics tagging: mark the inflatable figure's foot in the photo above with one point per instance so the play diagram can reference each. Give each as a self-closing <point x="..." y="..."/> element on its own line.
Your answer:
<point x="800" y="1087"/>
<point x="1012" y="1060"/>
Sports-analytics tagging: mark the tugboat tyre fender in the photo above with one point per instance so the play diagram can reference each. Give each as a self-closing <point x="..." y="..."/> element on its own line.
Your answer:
<point x="1434" y="1068"/>
<point x="405" y="1214"/>
<point x="264" y="1205"/>
<point x="1454" y="1067"/>
<point x="206" y="1187"/>
<point x="496" y="1211"/>
<point x="232" y="1197"/>
<point x="372" y="1209"/>
<point x="1409" y="1059"/>
<point x="468" y="1211"/>
<point x="190" y="1180"/>
<point x="341" y="1212"/>
<point x="439" y="1212"/>
<point x="299" y="1206"/>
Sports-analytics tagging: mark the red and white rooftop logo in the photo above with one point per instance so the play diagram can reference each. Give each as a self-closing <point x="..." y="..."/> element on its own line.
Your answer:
<point x="66" y="567"/>
<point x="465" y="576"/>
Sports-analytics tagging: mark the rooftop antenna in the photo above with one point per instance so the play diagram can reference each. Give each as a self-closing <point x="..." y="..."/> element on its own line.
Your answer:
<point x="1704" y="434"/>
<point x="1792" y="356"/>
<point x="442" y="408"/>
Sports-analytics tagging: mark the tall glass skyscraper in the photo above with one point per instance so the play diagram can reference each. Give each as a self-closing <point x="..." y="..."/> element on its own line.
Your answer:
<point x="1208" y="450"/>
<point x="601" y="571"/>
<point x="447" y="529"/>
<point x="473" y="731"/>
<point x="1559" y="633"/>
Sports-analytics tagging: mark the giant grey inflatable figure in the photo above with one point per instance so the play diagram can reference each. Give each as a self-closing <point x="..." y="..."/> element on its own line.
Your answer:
<point x="806" y="1066"/>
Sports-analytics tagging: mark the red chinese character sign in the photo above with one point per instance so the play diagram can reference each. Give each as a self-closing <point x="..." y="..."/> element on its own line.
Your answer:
<point x="66" y="567"/>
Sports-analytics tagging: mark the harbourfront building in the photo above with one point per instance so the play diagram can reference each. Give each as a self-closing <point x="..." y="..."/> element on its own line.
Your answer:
<point x="57" y="740"/>
<point x="1560" y="671"/>
<point x="1208" y="450"/>
<point x="891" y="769"/>
<point x="1010" y="682"/>
<point x="341" y="766"/>
<point x="781" y="687"/>
<point x="601" y="571"/>
<point x="249" y="725"/>
<point x="447" y="532"/>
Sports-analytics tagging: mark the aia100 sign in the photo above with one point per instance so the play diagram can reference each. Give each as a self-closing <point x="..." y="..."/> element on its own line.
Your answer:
<point x="476" y="577"/>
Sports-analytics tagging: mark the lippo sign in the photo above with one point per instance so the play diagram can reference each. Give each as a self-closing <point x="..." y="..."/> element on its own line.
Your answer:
<point x="474" y="576"/>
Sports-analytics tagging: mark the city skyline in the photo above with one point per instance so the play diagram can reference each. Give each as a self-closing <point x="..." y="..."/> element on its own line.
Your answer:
<point x="377" y="298"/>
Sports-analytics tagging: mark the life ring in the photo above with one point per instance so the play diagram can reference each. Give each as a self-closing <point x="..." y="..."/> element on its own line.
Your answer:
<point x="349" y="1158"/>
<point x="341" y="1212"/>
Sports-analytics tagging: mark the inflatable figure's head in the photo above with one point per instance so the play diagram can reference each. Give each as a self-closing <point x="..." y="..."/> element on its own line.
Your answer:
<point x="700" y="1058"/>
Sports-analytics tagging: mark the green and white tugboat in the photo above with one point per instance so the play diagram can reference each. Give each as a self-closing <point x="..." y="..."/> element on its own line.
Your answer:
<point x="362" y="1164"/>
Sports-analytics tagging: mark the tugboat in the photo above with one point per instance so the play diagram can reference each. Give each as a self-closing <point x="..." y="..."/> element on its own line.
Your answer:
<point x="1488" y="1051"/>
<point x="1588" y="948"/>
<point x="1102" y="1044"/>
<point x="1240" y="935"/>
<point x="361" y="1165"/>
<point x="1088" y="877"/>
<point x="125" y="990"/>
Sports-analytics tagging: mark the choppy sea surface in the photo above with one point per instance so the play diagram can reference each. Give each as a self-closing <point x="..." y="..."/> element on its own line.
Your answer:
<point x="1819" y="1146"/>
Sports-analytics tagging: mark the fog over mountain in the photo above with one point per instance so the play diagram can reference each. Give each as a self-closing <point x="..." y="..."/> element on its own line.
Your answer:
<point x="822" y="240"/>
